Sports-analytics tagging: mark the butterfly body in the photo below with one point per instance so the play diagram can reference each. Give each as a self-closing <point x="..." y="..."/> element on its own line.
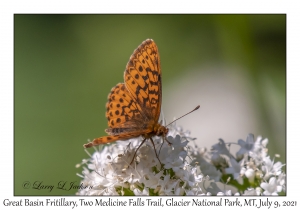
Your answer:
<point x="133" y="107"/>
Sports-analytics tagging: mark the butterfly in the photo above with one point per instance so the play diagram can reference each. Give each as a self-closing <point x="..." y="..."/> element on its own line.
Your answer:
<point x="133" y="107"/>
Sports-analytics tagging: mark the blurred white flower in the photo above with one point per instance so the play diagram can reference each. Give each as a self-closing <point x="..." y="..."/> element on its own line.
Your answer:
<point x="250" y="174"/>
<point x="246" y="146"/>
<point x="228" y="192"/>
<point x="271" y="188"/>
<point x="234" y="169"/>
<point x="270" y="168"/>
<point x="221" y="148"/>
<point x="252" y="191"/>
<point x="259" y="151"/>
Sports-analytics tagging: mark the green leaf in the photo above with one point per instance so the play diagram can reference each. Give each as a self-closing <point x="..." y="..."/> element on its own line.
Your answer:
<point x="124" y="191"/>
<point x="152" y="193"/>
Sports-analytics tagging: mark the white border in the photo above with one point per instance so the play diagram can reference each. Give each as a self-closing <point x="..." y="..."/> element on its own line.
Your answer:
<point x="9" y="8"/>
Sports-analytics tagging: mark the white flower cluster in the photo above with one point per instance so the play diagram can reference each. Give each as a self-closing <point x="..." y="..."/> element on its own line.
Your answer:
<point x="109" y="172"/>
<point x="185" y="169"/>
<point x="251" y="171"/>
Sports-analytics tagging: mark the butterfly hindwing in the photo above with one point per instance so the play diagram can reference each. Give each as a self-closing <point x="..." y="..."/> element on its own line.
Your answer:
<point x="121" y="107"/>
<point x="123" y="113"/>
<point x="110" y="139"/>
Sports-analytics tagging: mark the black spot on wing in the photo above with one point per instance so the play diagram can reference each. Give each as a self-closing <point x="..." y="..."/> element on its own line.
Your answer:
<point x="145" y="77"/>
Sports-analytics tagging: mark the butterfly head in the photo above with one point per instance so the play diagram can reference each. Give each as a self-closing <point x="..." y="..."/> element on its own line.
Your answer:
<point x="161" y="130"/>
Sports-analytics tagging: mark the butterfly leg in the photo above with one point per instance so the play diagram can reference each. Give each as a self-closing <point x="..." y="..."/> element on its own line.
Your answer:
<point x="160" y="147"/>
<point x="137" y="150"/>
<point x="155" y="151"/>
<point x="165" y="138"/>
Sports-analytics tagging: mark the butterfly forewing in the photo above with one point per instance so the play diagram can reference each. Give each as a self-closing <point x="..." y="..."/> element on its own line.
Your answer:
<point x="143" y="78"/>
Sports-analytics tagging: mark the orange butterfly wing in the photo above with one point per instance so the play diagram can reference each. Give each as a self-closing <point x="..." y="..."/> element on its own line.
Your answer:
<point x="134" y="107"/>
<point x="143" y="78"/>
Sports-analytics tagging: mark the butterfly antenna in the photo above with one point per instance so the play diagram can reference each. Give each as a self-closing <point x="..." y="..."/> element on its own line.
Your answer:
<point x="197" y="107"/>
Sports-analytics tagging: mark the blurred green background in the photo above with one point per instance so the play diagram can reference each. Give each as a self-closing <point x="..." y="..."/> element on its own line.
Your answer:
<point x="65" y="66"/>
